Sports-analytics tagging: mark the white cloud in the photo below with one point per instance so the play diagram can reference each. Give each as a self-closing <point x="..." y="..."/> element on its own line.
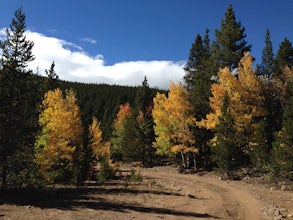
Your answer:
<point x="74" y="64"/>
<point x="89" y="40"/>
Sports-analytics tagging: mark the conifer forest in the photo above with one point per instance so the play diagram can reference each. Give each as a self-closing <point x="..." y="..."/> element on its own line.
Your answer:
<point x="229" y="113"/>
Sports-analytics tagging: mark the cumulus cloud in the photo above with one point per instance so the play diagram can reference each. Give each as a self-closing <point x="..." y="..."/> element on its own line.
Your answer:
<point x="74" y="64"/>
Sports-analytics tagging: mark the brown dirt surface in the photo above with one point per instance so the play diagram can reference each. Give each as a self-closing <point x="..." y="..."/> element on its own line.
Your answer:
<point x="162" y="194"/>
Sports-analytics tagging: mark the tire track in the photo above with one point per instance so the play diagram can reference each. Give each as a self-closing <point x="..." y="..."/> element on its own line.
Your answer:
<point x="225" y="200"/>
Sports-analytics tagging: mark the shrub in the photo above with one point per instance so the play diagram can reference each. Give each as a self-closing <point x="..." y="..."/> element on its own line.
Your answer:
<point x="107" y="171"/>
<point x="134" y="175"/>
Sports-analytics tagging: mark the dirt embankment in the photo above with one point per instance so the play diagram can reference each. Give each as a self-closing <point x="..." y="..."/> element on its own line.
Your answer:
<point x="163" y="194"/>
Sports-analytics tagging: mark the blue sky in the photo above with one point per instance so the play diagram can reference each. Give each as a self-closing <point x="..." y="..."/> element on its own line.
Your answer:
<point x="119" y="41"/>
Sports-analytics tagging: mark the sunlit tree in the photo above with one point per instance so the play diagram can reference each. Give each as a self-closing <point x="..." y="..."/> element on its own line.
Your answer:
<point x="58" y="147"/>
<point x="173" y="118"/>
<point x="246" y="103"/>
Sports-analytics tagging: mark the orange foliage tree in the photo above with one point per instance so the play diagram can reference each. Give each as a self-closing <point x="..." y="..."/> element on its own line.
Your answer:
<point x="118" y="136"/>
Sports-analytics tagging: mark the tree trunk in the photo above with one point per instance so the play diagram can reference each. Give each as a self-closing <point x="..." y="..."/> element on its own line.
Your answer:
<point x="150" y="156"/>
<point x="183" y="160"/>
<point x="143" y="156"/>
<point x="194" y="161"/>
<point x="187" y="161"/>
<point x="3" y="175"/>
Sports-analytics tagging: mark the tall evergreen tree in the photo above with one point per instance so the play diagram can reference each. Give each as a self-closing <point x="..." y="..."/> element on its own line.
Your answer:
<point x="131" y="145"/>
<point x="143" y="113"/>
<point x="230" y="43"/>
<point x="18" y="94"/>
<point x="225" y="153"/>
<point x="198" y="80"/>
<point x="143" y="98"/>
<point x="284" y="56"/>
<point x="146" y="136"/>
<point x="266" y="71"/>
<point x="207" y="43"/>
<point x="198" y="76"/>
<point x="266" y="68"/>
<point x="52" y="77"/>
<point x="283" y="147"/>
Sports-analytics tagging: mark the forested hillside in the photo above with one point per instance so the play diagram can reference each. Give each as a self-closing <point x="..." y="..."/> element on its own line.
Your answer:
<point x="102" y="101"/>
<point x="226" y="115"/>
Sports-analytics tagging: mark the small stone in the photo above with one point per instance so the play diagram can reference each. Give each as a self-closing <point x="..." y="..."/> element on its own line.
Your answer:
<point x="190" y="196"/>
<point x="279" y="217"/>
<point x="277" y="212"/>
<point x="283" y="188"/>
<point x="283" y="211"/>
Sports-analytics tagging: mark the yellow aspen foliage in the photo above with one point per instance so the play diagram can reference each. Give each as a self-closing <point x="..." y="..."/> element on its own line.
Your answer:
<point x="281" y="85"/>
<point x="95" y="140"/>
<point x="173" y="118"/>
<point x="244" y="91"/>
<point x="61" y="138"/>
<point x="161" y="128"/>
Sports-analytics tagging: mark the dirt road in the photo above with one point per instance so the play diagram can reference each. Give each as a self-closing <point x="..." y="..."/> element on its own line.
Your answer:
<point x="210" y="197"/>
<point x="163" y="194"/>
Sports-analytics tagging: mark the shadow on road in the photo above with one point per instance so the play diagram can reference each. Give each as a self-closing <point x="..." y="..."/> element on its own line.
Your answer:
<point x="74" y="198"/>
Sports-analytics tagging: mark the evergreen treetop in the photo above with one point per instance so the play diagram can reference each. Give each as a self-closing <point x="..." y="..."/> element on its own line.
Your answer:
<point x="284" y="56"/>
<point x="16" y="49"/>
<point x="230" y="43"/>
<point x="267" y="66"/>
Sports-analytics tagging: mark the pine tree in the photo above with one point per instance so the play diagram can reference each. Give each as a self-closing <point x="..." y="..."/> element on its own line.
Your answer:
<point x="198" y="77"/>
<point x="267" y="71"/>
<point x="143" y="98"/>
<point x="284" y="56"/>
<point x="283" y="147"/>
<point x="267" y="66"/>
<point x="230" y="43"/>
<point x="131" y="145"/>
<point x="206" y="43"/>
<point x="260" y="148"/>
<point x="52" y="77"/>
<point x="225" y="152"/>
<point x="146" y="136"/>
<point x="195" y="57"/>
<point x="198" y="80"/>
<point x="18" y="94"/>
<point x="143" y="113"/>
